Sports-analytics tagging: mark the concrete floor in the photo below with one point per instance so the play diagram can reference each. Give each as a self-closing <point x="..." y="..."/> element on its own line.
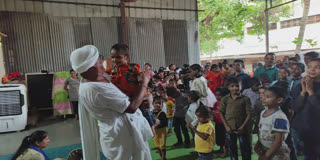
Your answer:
<point x="61" y="133"/>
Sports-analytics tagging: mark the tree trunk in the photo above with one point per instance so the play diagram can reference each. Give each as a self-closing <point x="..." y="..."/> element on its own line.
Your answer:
<point x="303" y="23"/>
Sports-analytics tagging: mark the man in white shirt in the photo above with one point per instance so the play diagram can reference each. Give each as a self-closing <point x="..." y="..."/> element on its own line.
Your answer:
<point x="104" y="109"/>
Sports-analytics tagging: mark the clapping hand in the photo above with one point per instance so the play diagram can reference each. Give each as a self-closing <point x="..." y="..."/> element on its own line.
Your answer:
<point x="309" y="85"/>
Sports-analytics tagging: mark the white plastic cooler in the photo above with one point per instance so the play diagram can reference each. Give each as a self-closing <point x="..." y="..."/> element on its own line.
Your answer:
<point x="13" y="107"/>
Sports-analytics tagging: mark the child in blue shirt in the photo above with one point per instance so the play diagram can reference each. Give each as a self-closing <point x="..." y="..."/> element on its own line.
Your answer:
<point x="273" y="128"/>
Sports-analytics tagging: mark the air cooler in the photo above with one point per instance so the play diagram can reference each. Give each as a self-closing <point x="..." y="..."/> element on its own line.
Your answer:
<point x="13" y="107"/>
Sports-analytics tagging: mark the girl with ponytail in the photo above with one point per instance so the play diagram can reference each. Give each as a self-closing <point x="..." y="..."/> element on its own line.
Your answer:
<point x="32" y="145"/>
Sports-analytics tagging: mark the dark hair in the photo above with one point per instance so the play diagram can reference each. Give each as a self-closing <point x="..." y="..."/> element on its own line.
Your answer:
<point x="37" y="136"/>
<point x="184" y="71"/>
<point x="301" y="66"/>
<point x="156" y="76"/>
<point x="224" y="91"/>
<point x="284" y="85"/>
<point x="72" y="70"/>
<point x="239" y="61"/>
<point x="203" y="110"/>
<point x="263" y="87"/>
<point x="196" y="67"/>
<point x="315" y="59"/>
<point x="186" y="66"/>
<point x="213" y="66"/>
<point x="225" y="61"/>
<point x="157" y="98"/>
<point x="286" y="69"/>
<point x="293" y="59"/>
<point x="207" y="64"/>
<point x="172" y="80"/>
<point x="194" y="95"/>
<point x="270" y="54"/>
<point x="121" y="48"/>
<point x="232" y="80"/>
<point x="254" y="81"/>
<point x="172" y="92"/>
<point x="161" y="69"/>
<point x="277" y="91"/>
<point x="312" y="54"/>
<point x="170" y="65"/>
<point x="148" y="64"/>
<point x="75" y="154"/>
<point x="220" y="65"/>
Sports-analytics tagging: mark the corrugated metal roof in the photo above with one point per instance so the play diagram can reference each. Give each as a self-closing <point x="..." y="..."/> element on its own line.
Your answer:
<point x="164" y="9"/>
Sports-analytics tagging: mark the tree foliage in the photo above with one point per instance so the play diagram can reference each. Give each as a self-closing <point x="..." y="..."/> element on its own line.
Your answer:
<point x="229" y="18"/>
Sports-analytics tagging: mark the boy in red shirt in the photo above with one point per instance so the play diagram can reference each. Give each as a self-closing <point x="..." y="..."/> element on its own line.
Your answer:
<point x="124" y="74"/>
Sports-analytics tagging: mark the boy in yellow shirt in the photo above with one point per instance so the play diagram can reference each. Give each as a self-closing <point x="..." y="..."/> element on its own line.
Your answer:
<point x="205" y="134"/>
<point x="159" y="128"/>
<point x="170" y="110"/>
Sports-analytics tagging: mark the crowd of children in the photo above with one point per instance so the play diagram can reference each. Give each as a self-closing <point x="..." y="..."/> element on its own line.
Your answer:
<point x="280" y="104"/>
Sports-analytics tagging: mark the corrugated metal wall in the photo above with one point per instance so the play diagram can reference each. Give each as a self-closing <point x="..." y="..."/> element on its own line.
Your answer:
<point x="37" y="42"/>
<point x="146" y="42"/>
<point x="82" y="31"/>
<point x="27" y="47"/>
<point x="175" y="42"/>
<point x="193" y="42"/>
<point x="62" y="41"/>
<point x="105" y="34"/>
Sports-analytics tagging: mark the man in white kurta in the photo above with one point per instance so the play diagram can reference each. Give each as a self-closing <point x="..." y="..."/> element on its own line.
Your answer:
<point x="123" y="136"/>
<point x="106" y="103"/>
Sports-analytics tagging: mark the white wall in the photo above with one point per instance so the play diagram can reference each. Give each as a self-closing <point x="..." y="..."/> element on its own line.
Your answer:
<point x="57" y="9"/>
<point x="298" y="9"/>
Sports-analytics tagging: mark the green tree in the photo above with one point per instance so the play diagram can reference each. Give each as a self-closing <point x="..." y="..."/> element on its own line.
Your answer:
<point x="228" y="18"/>
<point x="303" y="24"/>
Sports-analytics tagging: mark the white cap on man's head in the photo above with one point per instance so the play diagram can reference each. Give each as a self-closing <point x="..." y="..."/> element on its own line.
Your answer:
<point x="84" y="58"/>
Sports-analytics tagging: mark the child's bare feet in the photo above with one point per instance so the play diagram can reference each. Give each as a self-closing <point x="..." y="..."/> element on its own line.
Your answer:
<point x="224" y="155"/>
<point x="221" y="150"/>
